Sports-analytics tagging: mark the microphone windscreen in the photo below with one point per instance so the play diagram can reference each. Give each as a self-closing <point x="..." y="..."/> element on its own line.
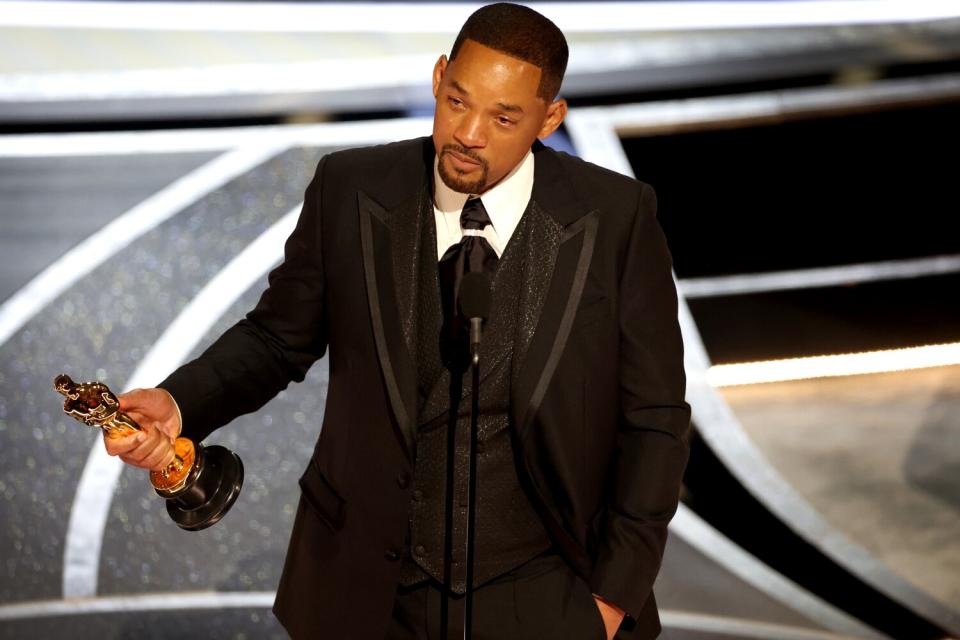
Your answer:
<point x="475" y="295"/>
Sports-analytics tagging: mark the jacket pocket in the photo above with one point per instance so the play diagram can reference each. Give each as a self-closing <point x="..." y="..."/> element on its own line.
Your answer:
<point x="322" y="497"/>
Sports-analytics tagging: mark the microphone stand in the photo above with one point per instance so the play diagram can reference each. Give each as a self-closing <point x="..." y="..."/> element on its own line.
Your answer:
<point x="474" y="303"/>
<point x="475" y="334"/>
<point x="456" y="386"/>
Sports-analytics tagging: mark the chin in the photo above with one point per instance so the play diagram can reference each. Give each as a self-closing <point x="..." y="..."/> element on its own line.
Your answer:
<point x="463" y="182"/>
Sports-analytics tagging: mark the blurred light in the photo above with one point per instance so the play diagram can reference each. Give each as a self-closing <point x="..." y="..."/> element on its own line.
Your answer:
<point x="847" y="364"/>
<point x="445" y="17"/>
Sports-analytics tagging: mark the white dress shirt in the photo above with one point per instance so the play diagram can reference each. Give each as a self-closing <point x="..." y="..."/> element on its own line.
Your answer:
<point x="505" y="203"/>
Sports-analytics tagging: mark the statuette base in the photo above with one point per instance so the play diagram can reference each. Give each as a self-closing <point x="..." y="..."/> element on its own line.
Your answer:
<point x="212" y="487"/>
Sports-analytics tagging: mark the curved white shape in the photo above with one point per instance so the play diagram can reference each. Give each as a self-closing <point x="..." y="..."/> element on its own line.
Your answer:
<point x="276" y="137"/>
<point x="440" y="17"/>
<point x="335" y="83"/>
<point x="697" y="533"/>
<point x="403" y="72"/>
<point x="121" y="232"/>
<point x="840" y="275"/>
<point x="743" y="629"/>
<point x="841" y="364"/>
<point x="187" y="600"/>
<point x="183" y="600"/>
<point x="91" y="504"/>
<point x="688" y="114"/>
<point x="721" y="429"/>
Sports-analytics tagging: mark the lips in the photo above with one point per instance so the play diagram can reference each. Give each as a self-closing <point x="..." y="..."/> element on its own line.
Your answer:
<point x="461" y="162"/>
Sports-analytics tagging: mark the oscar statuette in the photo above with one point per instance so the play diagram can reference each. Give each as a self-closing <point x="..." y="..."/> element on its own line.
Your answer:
<point x="199" y="486"/>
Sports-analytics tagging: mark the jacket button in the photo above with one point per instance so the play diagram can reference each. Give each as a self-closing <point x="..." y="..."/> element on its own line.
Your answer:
<point x="391" y="555"/>
<point x="403" y="480"/>
<point x="417" y="495"/>
<point x="419" y="550"/>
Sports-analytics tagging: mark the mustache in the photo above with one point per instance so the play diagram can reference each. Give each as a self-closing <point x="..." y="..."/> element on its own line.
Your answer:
<point x="463" y="151"/>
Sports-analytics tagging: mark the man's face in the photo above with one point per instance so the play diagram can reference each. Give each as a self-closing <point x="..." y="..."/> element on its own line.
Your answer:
<point x="487" y="116"/>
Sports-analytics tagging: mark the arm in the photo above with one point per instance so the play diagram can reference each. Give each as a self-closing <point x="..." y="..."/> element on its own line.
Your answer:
<point x="651" y="446"/>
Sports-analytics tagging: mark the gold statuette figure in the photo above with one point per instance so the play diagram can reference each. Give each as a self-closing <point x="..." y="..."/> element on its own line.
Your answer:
<point x="200" y="485"/>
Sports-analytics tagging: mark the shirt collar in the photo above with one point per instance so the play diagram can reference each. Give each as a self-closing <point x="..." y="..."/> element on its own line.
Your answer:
<point x="505" y="202"/>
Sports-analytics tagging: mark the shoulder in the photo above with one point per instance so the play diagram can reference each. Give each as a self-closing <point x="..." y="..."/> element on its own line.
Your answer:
<point x="380" y="157"/>
<point x="595" y="186"/>
<point x="590" y="173"/>
<point x="385" y="172"/>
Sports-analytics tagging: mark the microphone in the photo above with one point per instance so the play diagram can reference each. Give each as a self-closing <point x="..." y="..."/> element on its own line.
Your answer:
<point x="474" y="301"/>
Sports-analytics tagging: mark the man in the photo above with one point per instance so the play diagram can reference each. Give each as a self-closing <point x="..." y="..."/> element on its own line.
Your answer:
<point x="583" y="421"/>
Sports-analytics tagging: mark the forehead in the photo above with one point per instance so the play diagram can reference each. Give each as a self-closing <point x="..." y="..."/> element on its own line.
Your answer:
<point x="489" y="73"/>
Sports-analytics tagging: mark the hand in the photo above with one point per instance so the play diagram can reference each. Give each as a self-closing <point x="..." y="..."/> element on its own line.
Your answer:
<point x="157" y="414"/>
<point x="611" y="614"/>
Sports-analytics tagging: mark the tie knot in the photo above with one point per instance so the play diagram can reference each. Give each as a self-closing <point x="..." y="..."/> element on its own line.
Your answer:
<point x="474" y="215"/>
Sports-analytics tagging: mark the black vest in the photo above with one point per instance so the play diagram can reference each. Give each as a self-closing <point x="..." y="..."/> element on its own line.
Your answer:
<point x="508" y="530"/>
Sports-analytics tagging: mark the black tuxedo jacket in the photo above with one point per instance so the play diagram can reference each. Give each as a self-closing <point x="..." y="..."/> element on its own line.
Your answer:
<point x="597" y="402"/>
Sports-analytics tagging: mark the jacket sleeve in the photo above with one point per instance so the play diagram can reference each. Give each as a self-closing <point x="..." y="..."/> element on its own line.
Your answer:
<point x="651" y="445"/>
<point x="275" y="343"/>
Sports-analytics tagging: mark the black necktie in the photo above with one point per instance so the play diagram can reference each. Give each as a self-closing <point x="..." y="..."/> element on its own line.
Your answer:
<point x="472" y="253"/>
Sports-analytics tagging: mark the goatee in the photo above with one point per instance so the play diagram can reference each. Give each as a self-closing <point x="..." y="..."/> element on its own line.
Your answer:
<point x="455" y="179"/>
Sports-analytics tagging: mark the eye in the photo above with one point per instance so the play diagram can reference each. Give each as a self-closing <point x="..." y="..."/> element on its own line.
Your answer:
<point x="455" y="102"/>
<point x="505" y="121"/>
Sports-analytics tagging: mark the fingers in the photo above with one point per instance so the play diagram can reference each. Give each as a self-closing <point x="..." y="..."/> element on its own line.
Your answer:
<point x="155" y="459"/>
<point x="148" y="449"/>
<point x="152" y="448"/>
<point x="122" y="445"/>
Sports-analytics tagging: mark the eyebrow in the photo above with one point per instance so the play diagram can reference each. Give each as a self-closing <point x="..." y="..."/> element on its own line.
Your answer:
<point x="511" y="108"/>
<point x="515" y="108"/>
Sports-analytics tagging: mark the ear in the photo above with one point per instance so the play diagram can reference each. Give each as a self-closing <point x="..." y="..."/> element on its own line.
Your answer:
<point x="556" y="112"/>
<point x="438" y="70"/>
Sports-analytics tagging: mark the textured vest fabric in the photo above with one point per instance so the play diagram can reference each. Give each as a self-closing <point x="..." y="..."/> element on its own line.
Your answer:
<point x="508" y="530"/>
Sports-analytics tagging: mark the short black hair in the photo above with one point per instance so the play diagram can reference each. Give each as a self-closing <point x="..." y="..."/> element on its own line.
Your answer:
<point x="522" y="33"/>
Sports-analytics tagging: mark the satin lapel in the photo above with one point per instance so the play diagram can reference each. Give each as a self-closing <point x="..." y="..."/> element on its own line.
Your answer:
<point x="555" y="196"/>
<point x="390" y="242"/>
<point x="556" y="319"/>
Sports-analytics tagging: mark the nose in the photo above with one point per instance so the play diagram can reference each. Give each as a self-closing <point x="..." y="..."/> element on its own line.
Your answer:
<point x="470" y="131"/>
